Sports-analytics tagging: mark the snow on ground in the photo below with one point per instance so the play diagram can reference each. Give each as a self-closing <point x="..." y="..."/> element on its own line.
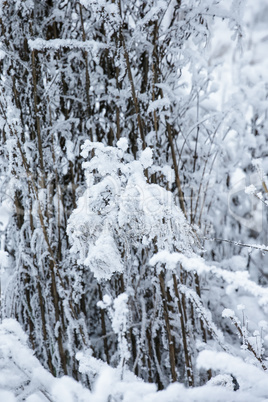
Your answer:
<point x="22" y="378"/>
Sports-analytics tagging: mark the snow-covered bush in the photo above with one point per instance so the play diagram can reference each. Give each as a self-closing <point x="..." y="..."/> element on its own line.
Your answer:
<point x="120" y="222"/>
<point x="120" y="210"/>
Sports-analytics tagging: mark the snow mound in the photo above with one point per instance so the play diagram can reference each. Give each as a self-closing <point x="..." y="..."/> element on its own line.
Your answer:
<point x="24" y="379"/>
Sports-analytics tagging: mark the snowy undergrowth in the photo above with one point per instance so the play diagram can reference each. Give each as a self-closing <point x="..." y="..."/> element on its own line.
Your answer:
<point x="24" y="379"/>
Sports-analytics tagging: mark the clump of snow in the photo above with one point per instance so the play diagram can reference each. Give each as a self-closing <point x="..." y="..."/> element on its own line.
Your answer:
<point x="119" y="315"/>
<point x="146" y="158"/>
<point x="122" y="144"/>
<point x="222" y="380"/>
<point x="70" y="151"/>
<point x="106" y="302"/>
<point x="227" y="313"/>
<point x="102" y="260"/>
<point x="250" y="189"/>
<point x="165" y="257"/>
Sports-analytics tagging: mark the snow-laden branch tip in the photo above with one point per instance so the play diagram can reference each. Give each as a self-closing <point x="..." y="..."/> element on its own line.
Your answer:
<point x="204" y="313"/>
<point x="236" y="280"/>
<point x="261" y="247"/>
<point x="56" y="44"/>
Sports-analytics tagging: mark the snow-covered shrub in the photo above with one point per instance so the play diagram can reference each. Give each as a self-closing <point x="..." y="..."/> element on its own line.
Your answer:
<point x="120" y="222"/>
<point x="120" y="210"/>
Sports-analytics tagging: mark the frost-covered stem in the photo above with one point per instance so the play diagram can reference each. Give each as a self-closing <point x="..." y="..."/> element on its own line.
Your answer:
<point x="18" y="105"/>
<point x="85" y="55"/>
<point x="187" y="355"/>
<point x="38" y="125"/>
<point x="156" y="350"/>
<point x="19" y="209"/>
<point x="60" y="198"/>
<point x="135" y="354"/>
<point x="202" y="320"/>
<point x="205" y="192"/>
<point x="103" y="327"/>
<point x="154" y="113"/>
<point x="155" y="80"/>
<point x="176" y="169"/>
<point x="168" y="329"/>
<point x="3" y="134"/>
<point x="29" y="312"/>
<point x="43" y="320"/>
<point x="51" y="263"/>
<point x="150" y="354"/>
<point x="32" y="229"/>
<point x="247" y="343"/>
<point x="75" y="316"/>
<point x="72" y="184"/>
<point x="118" y="85"/>
<point x="198" y="196"/>
<point x="237" y="243"/>
<point x="58" y="224"/>
<point x="38" y="282"/>
<point x="203" y="175"/>
<point x="200" y="309"/>
<point x="55" y="297"/>
<point x="133" y="91"/>
<point x="264" y="186"/>
<point x="195" y="155"/>
<point x="175" y="164"/>
<point x="198" y="291"/>
<point x="118" y="131"/>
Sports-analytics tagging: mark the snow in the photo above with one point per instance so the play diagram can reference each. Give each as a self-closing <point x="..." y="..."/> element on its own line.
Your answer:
<point x="70" y="150"/>
<point x="23" y="378"/>
<point x="55" y="44"/>
<point x="104" y="261"/>
<point x="223" y="380"/>
<point x="122" y="144"/>
<point x="194" y="263"/>
<point x="250" y="189"/>
<point x="246" y="374"/>
<point x="5" y="213"/>
<point x="120" y="206"/>
<point x="146" y="158"/>
<point x="159" y="104"/>
<point x="228" y="313"/>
